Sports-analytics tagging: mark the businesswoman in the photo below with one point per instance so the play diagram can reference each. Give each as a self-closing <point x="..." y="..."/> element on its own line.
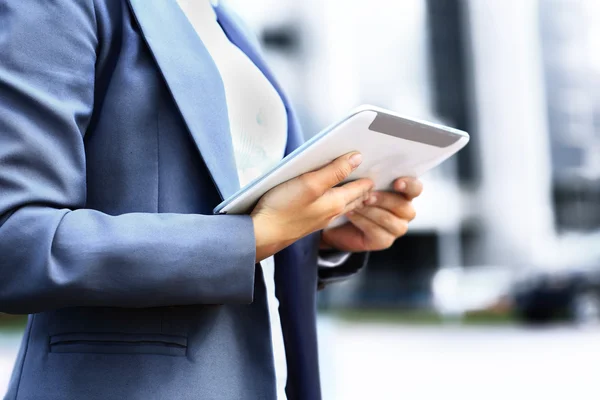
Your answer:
<point x="122" y="124"/>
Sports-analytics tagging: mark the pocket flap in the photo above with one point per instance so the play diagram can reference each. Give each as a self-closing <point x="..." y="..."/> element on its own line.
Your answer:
<point x="118" y="343"/>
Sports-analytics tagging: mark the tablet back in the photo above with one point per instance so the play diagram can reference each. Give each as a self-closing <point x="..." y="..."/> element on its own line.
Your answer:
<point x="392" y="147"/>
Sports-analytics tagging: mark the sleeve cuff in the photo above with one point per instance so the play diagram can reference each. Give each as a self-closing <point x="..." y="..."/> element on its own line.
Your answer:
<point x="354" y="262"/>
<point x="332" y="258"/>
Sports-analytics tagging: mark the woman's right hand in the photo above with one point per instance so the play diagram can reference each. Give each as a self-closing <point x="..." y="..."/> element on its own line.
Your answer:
<point x="307" y="204"/>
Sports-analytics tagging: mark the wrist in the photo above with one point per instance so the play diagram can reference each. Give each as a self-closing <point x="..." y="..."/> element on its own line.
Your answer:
<point x="265" y="238"/>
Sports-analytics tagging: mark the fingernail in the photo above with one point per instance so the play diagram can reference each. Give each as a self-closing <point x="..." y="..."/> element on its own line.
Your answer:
<point x="401" y="186"/>
<point x="350" y="213"/>
<point x="355" y="160"/>
<point x="371" y="200"/>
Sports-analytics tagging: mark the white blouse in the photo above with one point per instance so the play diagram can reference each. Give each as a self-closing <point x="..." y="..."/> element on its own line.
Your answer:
<point x="258" y="123"/>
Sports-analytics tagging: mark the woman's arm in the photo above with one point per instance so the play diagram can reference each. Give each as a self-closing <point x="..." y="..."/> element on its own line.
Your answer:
<point x="54" y="253"/>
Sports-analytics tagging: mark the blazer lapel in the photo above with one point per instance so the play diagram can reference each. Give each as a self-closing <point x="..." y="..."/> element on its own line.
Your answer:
<point x="195" y="84"/>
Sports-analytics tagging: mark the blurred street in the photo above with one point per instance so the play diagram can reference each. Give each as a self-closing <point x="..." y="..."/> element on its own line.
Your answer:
<point x="386" y="361"/>
<point x="469" y="363"/>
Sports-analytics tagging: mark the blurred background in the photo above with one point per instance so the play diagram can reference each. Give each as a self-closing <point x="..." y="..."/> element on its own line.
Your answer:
<point x="495" y="291"/>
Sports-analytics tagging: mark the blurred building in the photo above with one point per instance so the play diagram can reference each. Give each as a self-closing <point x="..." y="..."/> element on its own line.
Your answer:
<point x="520" y="76"/>
<point x="571" y="42"/>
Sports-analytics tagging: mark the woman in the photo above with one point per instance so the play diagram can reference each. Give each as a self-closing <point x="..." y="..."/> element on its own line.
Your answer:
<point x="122" y="124"/>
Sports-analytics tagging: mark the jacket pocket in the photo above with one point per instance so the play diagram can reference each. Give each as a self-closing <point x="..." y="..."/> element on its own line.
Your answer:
<point x="118" y="343"/>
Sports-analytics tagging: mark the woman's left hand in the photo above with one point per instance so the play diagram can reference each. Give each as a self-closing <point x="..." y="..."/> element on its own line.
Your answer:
<point x="375" y="226"/>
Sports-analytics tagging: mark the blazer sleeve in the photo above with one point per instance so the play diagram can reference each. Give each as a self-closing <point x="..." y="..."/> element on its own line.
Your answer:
<point x="53" y="251"/>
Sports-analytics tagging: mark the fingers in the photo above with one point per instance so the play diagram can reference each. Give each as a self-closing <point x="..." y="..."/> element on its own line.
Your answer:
<point x="338" y="170"/>
<point x="345" y="198"/>
<point x="385" y="219"/>
<point x="375" y="236"/>
<point x="409" y="187"/>
<point x="356" y="204"/>
<point x="395" y="203"/>
<point x="351" y="191"/>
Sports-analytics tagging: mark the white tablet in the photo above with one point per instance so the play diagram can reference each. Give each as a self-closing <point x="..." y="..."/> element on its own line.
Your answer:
<point x="392" y="146"/>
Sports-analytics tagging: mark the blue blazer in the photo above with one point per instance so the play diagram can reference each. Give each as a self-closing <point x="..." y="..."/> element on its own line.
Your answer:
<point x="114" y="149"/>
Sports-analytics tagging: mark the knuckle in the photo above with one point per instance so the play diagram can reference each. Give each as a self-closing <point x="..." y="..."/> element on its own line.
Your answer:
<point x="359" y="204"/>
<point x="388" y="220"/>
<point x="311" y="186"/>
<point x="411" y="213"/>
<point x="342" y="172"/>
<point x="314" y="190"/>
<point x="355" y="205"/>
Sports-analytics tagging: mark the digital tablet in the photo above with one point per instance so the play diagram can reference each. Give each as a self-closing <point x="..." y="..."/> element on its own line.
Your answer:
<point x="392" y="146"/>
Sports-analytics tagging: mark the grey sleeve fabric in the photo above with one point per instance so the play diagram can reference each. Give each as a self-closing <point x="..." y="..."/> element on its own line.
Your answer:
<point x="54" y="253"/>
